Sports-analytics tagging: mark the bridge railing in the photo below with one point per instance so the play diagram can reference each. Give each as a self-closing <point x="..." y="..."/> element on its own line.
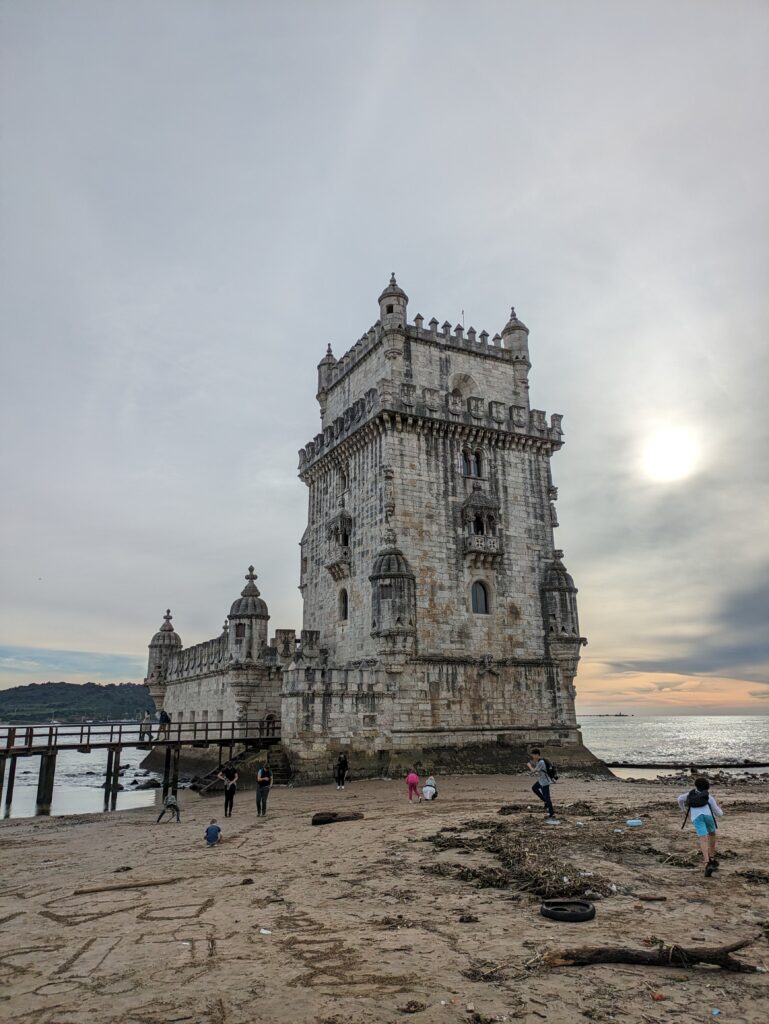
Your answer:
<point x="19" y="739"/>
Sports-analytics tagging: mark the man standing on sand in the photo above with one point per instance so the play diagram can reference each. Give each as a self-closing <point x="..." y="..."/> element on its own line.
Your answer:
<point x="541" y="787"/>
<point x="702" y="806"/>
<point x="341" y="770"/>
<point x="263" y="787"/>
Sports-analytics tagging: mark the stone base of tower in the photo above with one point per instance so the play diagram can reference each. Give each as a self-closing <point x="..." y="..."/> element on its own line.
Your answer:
<point x="504" y="753"/>
<point x="438" y="715"/>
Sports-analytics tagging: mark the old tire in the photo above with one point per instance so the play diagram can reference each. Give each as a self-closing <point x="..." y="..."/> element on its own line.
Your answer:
<point x="568" y="910"/>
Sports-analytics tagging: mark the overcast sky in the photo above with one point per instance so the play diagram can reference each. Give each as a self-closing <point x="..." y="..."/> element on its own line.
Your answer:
<point x="197" y="197"/>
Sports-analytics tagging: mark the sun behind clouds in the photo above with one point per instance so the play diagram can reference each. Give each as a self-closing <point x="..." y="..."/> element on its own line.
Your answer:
<point x="670" y="454"/>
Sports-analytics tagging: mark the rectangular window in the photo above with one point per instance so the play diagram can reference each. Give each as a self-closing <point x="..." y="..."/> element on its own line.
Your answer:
<point x="240" y="631"/>
<point x="385" y="590"/>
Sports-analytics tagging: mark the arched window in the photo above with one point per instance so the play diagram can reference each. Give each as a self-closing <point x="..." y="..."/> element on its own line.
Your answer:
<point x="467" y="463"/>
<point x="345" y="539"/>
<point x="343" y="481"/>
<point x="478" y="464"/>
<point x="480" y="598"/>
<point x="478" y="525"/>
<point x="343" y="604"/>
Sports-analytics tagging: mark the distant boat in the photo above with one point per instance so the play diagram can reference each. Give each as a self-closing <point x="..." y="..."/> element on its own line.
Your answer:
<point x="53" y="721"/>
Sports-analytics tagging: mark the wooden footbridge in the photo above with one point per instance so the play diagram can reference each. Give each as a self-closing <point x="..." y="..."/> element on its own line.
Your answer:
<point x="46" y="741"/>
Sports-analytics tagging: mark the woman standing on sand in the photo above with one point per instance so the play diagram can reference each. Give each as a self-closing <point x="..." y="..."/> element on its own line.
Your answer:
<point x="412" y="781"/>
<point x="229" y="777"/>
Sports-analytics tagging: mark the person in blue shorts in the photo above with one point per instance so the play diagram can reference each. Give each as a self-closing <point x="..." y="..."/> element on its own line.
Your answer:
<point x="704" y="810"/>
<point x="213" y="834"/>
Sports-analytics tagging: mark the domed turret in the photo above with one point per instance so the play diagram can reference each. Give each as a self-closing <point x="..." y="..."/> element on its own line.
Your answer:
<point x="393" y="600"/>
<point x="166" y="637"/>
<point x="559" y="598"/>
<point x="163" y="646"/>
<point x="325" y="366"/>
<point x="515" y="336"/>
<point x="248" y="621"/>
<point x="393" y="303"/>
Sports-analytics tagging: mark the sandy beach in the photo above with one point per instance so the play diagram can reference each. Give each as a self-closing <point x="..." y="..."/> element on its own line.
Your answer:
<point x="374" y="920"/>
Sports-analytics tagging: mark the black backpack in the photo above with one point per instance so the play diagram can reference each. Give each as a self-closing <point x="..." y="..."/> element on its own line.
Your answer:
<point x="552" y="771"/>
<point x="697" y="798"/>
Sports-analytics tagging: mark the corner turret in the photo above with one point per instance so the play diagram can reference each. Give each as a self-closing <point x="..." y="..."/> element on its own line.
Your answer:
<point x="393" y="307"/>
<point x="248" y="620"/>
<point x="515" y="338"/>
<point x="163" y="646"/>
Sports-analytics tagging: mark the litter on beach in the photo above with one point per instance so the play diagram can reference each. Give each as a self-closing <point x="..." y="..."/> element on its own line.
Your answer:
<point x="634" y="823"/>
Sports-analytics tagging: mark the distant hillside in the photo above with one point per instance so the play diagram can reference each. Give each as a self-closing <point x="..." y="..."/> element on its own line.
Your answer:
<point x="71" y="702"/>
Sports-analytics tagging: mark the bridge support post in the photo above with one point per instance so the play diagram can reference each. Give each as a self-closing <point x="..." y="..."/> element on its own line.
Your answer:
<point x="108" y="777"/>
<point x="2" y="773"/>
<point x="45" y="783"/>
<point x="167" y="771"/>
<point x="115" y="782"/>
<point x="175" y="776"/>
<point x="9" y="787"/>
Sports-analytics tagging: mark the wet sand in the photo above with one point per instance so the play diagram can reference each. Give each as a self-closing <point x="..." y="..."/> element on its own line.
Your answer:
<point x="361" y="921"/>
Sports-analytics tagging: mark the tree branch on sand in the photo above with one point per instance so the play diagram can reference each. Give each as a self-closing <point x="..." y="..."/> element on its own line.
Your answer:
<point x="662" y="955"/>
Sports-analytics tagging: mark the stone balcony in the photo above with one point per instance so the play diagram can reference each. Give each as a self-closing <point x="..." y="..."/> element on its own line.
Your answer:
<point x="483" y="549"/>
<point x="339" y="566"/>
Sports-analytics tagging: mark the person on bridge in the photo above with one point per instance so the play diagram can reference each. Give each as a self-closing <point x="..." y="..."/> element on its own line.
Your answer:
<point x="263" y="787"/>
<point x="229" y="776"/>
<point x="165" y="724"/>
<point x="145" y="727"/>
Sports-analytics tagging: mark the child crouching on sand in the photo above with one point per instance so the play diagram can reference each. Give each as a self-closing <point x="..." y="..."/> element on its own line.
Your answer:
<point x="702" y="806"/>
<point x="213" y="834"/>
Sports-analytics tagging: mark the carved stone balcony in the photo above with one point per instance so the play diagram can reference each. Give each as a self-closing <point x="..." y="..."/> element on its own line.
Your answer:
<point x="483" y="549"/>
<point x="339" y="566"/>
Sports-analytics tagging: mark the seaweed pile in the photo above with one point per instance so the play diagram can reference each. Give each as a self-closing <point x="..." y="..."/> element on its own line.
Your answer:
<point x="526" y="860"/>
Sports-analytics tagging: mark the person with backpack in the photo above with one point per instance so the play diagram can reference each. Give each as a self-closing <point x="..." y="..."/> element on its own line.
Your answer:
<point x="703" y="810"/>
<point x="170" y="806"/>
<point x="263" y="787"/>
<point x="546" y="773"/>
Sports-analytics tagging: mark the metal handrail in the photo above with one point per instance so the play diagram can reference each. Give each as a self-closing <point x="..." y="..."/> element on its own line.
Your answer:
<point x="21" y="739"/>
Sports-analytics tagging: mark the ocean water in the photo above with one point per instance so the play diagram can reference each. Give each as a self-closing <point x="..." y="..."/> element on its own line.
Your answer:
<point x="78" y="778"/>
<point x="680" y="739"/>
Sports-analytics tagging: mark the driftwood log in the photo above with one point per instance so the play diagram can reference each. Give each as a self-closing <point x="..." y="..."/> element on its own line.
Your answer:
<point x="661" y="955"/>
<point x="127" y="885"/>
<point x="331" y="817"/>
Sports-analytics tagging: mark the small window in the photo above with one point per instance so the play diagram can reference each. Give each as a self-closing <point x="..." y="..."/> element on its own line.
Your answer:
<point x="343" y="481"/>
<point x="390" y="308"/>
<point x="345" y="539"/>
<point x="240" y="631"/>
<point x="467" y="464"/>
<point x="385" y="590"/>
<point x="478" y="526"/>
<point x="219" y="714"/>
<point x="304" y="565"/>
<point x="192" y="717"/>
<point x="343" y="604"/>
<point x="480" y="598"/>
<point x="477" y="464"/>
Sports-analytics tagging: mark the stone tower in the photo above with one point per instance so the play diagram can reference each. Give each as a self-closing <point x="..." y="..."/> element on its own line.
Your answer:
<point x="440" y="625"/>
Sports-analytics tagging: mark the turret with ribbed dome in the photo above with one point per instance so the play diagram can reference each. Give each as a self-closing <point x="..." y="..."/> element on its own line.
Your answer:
<point x="393" y="308"/>
<point x="393" y="600"/>
<point x="248" y="621"/>
<point x="164" y="645"/>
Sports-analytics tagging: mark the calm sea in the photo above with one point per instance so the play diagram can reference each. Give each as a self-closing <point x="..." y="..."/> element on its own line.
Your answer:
<point x="725" y="740"/>
<point x="696" y="739"/>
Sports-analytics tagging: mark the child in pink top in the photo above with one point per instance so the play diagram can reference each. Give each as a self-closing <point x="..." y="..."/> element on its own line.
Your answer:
<point x="412" y="781"/>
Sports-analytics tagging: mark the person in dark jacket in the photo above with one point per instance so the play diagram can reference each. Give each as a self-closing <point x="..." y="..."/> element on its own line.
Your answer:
<point x="229" y="776"/>
<point x="263" y="787"/>
<point x="342" y="767"/>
